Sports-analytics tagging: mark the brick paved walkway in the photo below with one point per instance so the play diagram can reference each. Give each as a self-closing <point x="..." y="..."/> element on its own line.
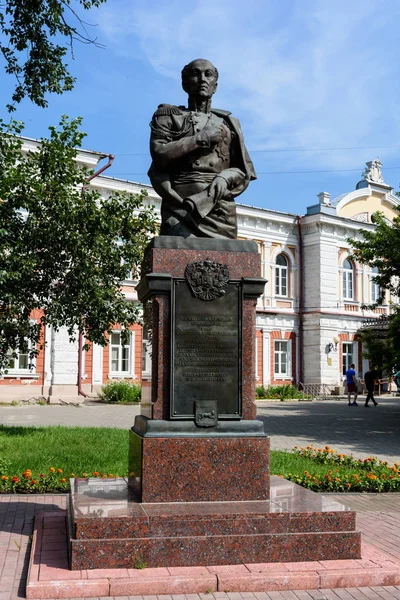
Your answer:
<point x="358" y="430"/>
<point x="378" y="518"/>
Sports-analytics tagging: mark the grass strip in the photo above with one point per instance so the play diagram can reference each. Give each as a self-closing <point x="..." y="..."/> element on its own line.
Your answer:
<point x="89" y="449"/>
<point x="50" y="455"/>
<point x="73" y="449"/>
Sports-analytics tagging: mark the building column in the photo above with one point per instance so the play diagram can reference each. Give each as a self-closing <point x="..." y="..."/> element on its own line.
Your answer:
<point x="266" y="273"/>
<point x="97" y="368"/>
<point x="266" y="375"/>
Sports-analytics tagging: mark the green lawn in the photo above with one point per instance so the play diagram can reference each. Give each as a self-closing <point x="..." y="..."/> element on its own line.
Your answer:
<point x="73" y="449"/>
<point x="84" y="450"/>
<point x="41" y="459"/>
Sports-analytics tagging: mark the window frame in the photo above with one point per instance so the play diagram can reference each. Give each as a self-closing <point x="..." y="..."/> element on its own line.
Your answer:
<point x="280" y="374"/>
<point x="347" y="279"/>
<point x="129" y="374"/>
<point x="146" y="353"/>
<point x="17" y="371"/>
<point x="347" y="354"/>
<point x="281" y="270"/>
<point x="375" y="287"/>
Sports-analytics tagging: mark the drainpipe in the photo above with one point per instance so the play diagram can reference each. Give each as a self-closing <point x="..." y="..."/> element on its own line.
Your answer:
<point x="301" y="301"/>
<point x="80" y="338"/>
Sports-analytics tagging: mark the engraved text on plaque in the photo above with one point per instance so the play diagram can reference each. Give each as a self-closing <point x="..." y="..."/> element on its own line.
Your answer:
<point x="206" y="351"/>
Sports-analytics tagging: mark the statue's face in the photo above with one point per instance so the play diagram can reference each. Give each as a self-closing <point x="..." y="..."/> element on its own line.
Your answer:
<point x="201" y="79"/>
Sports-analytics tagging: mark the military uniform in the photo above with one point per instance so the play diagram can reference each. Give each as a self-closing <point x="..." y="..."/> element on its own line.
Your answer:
<point x="184" y="165"/>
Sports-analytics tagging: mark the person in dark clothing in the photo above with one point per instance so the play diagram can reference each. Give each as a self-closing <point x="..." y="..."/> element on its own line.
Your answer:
<point x="370" y="378"/>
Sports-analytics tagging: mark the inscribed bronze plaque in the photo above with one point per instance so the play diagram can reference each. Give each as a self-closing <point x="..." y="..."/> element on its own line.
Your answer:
<point x="205" y="351"/>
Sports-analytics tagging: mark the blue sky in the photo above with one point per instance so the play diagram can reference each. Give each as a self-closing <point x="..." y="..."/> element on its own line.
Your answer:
<point x="314" y="83"/>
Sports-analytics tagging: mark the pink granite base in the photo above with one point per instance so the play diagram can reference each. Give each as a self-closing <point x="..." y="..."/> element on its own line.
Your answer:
<point x="109" y="528"/>
<point x="206" y="469"/>
<point x="50" y="577"/>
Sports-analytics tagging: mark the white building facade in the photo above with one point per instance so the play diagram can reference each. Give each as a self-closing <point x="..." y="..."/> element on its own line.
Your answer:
<point x="308" y="319"/>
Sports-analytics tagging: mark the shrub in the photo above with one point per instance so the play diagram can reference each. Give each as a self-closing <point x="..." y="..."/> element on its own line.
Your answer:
<point x="283" y="392"/>
<point x="121" y="391"/>
<point x="260" y="391"/>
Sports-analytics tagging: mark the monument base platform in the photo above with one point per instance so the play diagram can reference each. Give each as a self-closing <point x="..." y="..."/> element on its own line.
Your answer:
<point x="175" y="461"/>
<point x="109" y="528"/>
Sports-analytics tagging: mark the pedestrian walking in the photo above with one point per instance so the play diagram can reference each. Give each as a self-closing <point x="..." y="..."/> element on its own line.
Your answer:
<point x="351" y="385"/>
<point x="396" y="380"/>
<point x="369" y="378"/>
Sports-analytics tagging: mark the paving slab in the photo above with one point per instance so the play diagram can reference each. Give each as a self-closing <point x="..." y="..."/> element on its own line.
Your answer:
<point x="49" y="576"/>
<point x="378" y="518"/>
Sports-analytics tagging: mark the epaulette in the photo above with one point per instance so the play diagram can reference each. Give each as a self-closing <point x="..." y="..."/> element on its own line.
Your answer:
<point x="221" y="113"/>
<point x="165" y="110"/>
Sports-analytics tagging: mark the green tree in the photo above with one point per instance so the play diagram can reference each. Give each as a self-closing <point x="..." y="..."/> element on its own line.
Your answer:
<point x="63" y="247"/>
<point x="380" y="249"/>
<point x="378" y="347"/>
<point x="35" y="36"/>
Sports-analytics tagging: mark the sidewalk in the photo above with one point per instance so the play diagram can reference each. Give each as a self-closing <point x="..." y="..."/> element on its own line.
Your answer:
<point x="378" y="517"/>
<point x="372" y="431"/>
<point x="360" y="431"/>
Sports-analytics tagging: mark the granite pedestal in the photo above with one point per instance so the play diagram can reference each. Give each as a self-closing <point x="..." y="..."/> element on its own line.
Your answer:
<point x="111" y="529"/>
<point x="203" y="328"/>
<point x="184" y="463"/>
<point x="198" y="491"/>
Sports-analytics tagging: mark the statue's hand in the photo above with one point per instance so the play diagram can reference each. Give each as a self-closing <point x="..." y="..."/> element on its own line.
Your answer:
<point x="215" y="133"/>
<point x="218" y="188"/>
<point x="209" y="135"/>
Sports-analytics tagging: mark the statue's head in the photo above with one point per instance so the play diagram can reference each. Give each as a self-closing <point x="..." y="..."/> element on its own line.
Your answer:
<point x="199" y="78"/>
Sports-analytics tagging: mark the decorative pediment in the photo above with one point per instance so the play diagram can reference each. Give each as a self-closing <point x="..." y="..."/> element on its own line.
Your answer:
<point x="363" y="217"/>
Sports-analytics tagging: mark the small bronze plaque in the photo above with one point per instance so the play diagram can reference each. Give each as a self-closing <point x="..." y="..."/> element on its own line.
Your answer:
<point x="206" y="413"/>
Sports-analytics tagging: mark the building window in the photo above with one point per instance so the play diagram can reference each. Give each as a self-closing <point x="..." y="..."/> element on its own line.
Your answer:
<point x="146" y="352"/>
<point x="347" y="356"/>
<point x="375" y="289"/>
<point x="21" y="363"/>
<point x="281" y="358"/>
<point x="348" y="280"/>
<point x="120" y="355"/>
<point x="129" y="272"/>
<point x="281" y="276"/>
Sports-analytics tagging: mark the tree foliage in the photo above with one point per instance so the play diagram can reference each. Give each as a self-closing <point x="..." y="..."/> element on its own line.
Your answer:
<point x="380" y="249"/>
<point x="377" y="348"/>
<point x="35" y="35"/>
<point x="64" y="248"/>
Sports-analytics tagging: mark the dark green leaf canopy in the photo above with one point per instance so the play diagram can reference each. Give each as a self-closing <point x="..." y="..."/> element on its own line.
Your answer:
<point x="64" y="248"/>
<point x="380" y="249"/>
<point x="34" y="41"/>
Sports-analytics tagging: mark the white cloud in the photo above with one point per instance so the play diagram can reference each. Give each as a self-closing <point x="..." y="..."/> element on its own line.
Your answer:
<point x="298" y="73"/>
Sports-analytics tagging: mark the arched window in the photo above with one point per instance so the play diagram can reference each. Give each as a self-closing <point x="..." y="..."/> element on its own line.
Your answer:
<point x="281" y="275"/>
<point x="348" y="280"/>
<point x="375" y="289"/>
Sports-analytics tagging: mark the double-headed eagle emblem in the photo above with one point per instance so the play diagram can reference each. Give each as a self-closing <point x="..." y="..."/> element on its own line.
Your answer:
<point x="207" y="279"/>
